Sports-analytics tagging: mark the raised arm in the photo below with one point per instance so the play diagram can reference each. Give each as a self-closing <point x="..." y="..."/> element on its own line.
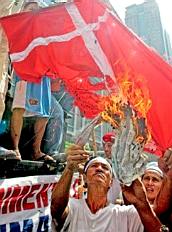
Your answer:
<point x="135" y="194"/>
<point x="163" y="202"/>
<point x="60" y="196"/>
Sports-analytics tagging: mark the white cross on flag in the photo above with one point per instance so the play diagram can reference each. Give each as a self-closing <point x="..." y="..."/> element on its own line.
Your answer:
<point x="84" y="39"/>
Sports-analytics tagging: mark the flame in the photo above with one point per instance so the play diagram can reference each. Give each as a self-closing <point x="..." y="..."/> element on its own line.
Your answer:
<point x="134" y="94"/>
<point x="112" y="109"/>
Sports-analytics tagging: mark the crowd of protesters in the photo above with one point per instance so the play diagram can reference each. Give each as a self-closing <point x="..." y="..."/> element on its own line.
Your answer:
<point x="145" y="205"/>
<point x="147" y="201"/>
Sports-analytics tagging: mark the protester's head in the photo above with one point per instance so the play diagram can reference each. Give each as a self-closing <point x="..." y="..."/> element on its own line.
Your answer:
<point x="152" y="180"/>
<point x="98" y="171"/>
<point x="30" y="5"/>
<point x="108" y="140"/>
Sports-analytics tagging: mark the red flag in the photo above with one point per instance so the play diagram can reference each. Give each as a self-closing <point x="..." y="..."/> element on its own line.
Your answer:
<point x="84" y="39"/>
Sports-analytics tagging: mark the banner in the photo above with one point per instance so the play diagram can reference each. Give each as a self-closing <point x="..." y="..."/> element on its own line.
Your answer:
<point x="25" y="204"/>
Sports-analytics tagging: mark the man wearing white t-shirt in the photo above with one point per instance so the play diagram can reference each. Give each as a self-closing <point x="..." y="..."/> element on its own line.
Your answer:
<point x="95" y="213"/>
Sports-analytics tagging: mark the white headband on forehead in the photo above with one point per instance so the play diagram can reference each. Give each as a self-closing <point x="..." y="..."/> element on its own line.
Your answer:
<point x="98" y="160"/>
<point x="153" y="167"/>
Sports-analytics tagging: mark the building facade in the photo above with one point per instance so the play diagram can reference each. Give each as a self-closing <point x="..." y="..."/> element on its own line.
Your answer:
<point x="144" y="19"/>
<point x="76" y="123"/>
<point x="168" y="48"/>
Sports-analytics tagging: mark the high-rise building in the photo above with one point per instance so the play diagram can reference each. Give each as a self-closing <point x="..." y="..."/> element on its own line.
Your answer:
<point x="144" y="19"/>
<point x="168" y="48"/>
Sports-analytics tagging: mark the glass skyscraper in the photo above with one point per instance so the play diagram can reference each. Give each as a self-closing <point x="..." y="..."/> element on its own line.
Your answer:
<point x="144" y="19"/>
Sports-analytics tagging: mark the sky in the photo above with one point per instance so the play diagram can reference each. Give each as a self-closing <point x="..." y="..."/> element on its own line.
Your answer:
<point x="165" y="7"/>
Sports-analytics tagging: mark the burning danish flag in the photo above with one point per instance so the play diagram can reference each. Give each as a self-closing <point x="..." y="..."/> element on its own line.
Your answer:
<point x="82" y="40"/>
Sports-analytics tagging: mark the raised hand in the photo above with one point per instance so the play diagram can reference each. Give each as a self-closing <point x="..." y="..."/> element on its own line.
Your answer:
<point x="163" y="202"/>
<point x="165" y="163"/>
<point x="135" y="194"/>
<point x="76" y="156"/>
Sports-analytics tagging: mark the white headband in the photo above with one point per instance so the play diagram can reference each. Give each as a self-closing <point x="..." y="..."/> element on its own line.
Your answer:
<point x="98" y="160"/>
<point x="153" y="167"/>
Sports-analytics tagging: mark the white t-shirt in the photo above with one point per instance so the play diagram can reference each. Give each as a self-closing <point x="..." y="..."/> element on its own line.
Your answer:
<point x="114" y="191"/>
<point x="112" y="218"/>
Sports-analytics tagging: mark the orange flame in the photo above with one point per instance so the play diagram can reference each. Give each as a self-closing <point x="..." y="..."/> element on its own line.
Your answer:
<point x="136" y="92"/>
<point x="132" y="92"/>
